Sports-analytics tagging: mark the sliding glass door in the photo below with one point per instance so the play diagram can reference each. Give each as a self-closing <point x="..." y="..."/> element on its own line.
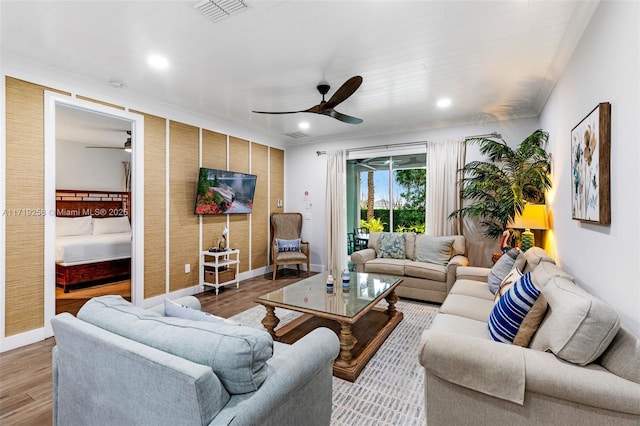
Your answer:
<point x="387" y="193"/>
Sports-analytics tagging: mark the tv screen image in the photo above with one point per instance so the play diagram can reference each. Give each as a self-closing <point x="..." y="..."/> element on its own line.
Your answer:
<point x="224" y="192"/>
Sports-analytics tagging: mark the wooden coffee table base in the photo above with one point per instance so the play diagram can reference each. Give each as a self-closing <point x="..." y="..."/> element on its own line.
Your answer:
<point x="358" y="342"/>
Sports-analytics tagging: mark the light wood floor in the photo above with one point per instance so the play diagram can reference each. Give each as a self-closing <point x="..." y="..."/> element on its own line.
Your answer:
<point x="25" y="373"/>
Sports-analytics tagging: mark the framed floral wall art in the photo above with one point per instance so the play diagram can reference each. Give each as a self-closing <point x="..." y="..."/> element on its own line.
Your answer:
<point x="590" y="152"/>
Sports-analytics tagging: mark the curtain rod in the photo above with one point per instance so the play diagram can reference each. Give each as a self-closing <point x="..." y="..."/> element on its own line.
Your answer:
<point x="367" y="148"/>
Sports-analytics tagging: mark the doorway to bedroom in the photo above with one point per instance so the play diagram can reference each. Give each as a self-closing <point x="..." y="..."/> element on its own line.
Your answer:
<point x="93" y="206"/>
<point x="91" y="187"/>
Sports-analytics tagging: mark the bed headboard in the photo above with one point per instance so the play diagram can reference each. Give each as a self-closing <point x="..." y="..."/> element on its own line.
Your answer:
<point x="75" y="203"/>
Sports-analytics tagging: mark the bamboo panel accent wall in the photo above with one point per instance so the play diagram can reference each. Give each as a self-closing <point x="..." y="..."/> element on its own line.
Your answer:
<point x="276" y="181"/>
<point x="260" y="212"/>
<point x="155" y="191"/>
<point x="24" y="186"/>
<point x="239" y="223"/>
<point x="183" y="224"/>
<point x="214" y="156"/>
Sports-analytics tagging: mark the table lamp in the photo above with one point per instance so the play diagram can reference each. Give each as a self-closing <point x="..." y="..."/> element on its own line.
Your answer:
<point x="534" y="216"/>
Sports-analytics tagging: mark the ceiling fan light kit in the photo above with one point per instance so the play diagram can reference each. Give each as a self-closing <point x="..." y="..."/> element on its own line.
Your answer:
<point x="327" y="107"/>
<point x="126" y="146"/>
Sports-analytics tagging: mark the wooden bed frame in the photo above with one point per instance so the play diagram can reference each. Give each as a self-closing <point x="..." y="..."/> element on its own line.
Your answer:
<point x="76" y="203"/>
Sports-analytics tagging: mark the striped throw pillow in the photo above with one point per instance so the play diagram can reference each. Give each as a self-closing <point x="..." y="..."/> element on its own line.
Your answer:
<point x="509" y="312"/>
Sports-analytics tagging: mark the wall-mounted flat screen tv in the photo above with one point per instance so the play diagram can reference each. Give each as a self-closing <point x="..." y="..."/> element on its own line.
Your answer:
<point x="224" y="192"/>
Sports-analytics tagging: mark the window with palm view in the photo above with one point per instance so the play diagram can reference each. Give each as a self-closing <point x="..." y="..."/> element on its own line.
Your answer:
<point x="387" y="193"/>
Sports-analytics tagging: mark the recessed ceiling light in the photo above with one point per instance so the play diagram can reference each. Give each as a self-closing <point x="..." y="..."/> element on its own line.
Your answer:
<point x="304" y="125"/>
<point x="158" y="62"/>
<point x="444" y="102"/>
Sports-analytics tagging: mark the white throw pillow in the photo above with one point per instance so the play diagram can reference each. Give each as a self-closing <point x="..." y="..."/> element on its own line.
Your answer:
<point x="67" y="226"/>
<point x="111" y="225"/>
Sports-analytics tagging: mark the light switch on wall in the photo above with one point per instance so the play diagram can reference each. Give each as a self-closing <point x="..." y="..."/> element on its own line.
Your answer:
<point x="187" y="268"/>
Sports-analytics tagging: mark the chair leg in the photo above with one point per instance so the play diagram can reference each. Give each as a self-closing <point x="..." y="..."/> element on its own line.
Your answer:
<point x="308" y="269"/>
<point x="298" y="266"/>
<point x="275" y="271"/>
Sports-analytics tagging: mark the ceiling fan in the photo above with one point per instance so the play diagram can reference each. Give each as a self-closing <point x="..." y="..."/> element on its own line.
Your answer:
<point x="327" y="107"/>
<point x="126" y="146"/>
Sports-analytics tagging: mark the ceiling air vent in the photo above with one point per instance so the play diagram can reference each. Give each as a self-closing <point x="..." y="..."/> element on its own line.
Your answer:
<point x="216" y="10"/>
<point x="296" y="135"/>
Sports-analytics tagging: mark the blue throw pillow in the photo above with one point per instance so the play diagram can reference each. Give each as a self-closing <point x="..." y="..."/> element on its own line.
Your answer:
<point x="507" y="315"/>
<point x="391" y="245"/>
<point x="288" y="245"/>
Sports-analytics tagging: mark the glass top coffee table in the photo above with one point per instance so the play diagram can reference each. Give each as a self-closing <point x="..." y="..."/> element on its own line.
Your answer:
<point x="350" y="310"/>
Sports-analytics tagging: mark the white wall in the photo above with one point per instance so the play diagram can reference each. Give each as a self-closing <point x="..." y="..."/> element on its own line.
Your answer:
<point x="78" y="167"/>
<point x="605" y="67"/>
<point x="305" y="171"/>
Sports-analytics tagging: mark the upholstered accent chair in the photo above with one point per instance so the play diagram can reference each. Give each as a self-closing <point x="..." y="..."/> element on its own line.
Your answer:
<point x="287" y="248"/>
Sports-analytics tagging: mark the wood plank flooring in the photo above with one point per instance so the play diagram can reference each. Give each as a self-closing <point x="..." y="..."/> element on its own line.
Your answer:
<point x="25" y="373"/>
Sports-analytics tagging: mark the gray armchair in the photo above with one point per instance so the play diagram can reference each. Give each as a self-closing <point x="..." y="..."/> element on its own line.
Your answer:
<point x="288" y="227"/>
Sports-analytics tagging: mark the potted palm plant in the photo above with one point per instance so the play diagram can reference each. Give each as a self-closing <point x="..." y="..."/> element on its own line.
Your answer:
<point x="497" y="190"/>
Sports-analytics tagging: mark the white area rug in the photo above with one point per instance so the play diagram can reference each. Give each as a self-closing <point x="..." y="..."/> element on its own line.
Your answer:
<point x="390" y="389"/>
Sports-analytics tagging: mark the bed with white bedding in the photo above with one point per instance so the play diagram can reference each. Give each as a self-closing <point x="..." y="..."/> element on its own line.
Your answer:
<point x="79" y="249"/>
<point x="90" y="249"/>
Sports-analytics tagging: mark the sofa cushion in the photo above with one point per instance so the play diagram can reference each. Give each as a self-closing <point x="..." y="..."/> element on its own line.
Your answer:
<point x="578" y="326"/>
<point x="468" y="307"/>
<point x="433" y="249"/>
<point x="460" y="325"/>
<point x="385" y="266"/>
<point x="374" y="238"/>
<point x="429" y="271"/>
<point x="622" y="357"/>
<point x="472" y="288"/>
<point x="410" y="245"/>
<point x="237" y="355"/>
<point x="534" y="256"/>
<point x="474" y="273"/>
<point x="501" y="268"/>
<point x="391" y="245"/>
<point x="508" y="314"/>
<point x="544" y="271"/>
<point x="459" y="246"/>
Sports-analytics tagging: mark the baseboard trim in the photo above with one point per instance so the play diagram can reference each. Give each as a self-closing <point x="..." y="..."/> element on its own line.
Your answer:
<point x="22" y="339"/>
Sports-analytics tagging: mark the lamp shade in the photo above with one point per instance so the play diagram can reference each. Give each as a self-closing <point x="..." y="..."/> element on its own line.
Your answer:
<point x="534" y="216"/>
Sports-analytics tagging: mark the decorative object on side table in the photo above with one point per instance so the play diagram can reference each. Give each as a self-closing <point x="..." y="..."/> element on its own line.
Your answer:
<point x="590" y="166"/>
<point x="533" y="216"/>
<point x="222" y="243"/>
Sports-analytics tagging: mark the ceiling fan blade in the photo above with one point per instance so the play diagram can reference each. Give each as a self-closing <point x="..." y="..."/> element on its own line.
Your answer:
<point x="342" y="117"/>
<point x="346" y="90"/>
<point x="278" y="112"/>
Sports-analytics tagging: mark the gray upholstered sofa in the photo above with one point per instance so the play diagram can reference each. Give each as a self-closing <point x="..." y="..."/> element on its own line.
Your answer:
<point x="118" y="364"/>
<point x="429" y="280"/>
<point x="580" y="368"/>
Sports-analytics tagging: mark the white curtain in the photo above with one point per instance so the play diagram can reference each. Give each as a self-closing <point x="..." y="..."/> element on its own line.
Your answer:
<point x="335" y="212"/>
<point x="445" y="158"/>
